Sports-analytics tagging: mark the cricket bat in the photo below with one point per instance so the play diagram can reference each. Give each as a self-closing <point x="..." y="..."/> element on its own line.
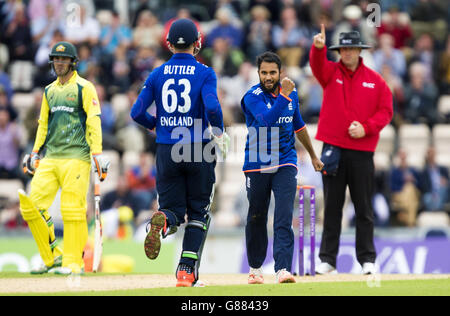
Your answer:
<point x="98" y="233"/>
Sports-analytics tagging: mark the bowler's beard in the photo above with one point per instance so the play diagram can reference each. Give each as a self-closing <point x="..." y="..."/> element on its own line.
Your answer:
<point x="276" y="84"/>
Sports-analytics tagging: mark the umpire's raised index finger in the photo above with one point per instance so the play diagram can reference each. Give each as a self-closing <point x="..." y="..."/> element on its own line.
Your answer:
<point x="322" y="26"/>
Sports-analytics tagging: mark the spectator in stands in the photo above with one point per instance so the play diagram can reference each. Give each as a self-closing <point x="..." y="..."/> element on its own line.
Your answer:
<point x="37" y="9"/>
<point x="396" y="24"/>
<point x="41" y="57"/>
<point x="387" y="54"/>
<point x="403" y="5"/>
<point x="108" y="118"/>
<point x="223" y="58"/>
<point x="143" y="63"/>
<point x="235" y="87"/>
<point x="404" y="184"/>
<point x="6" y="12"/>
<point x="9" y="146"/>
<point x="395" y="84"/>
<point x="5" y="103"/>
<point x="142" y="179"/>
<point x="227" y="110"/>
<point x="225" y="29"/>
<point x="424" y="52"/>
<point x="420" y="97"/>
<point x="121" y="69"/>
<point x="84" y="29"/>
<point x="259" y="32"/>
<point x="429" y="16"/>
<point x="86" y="61"/>
<point x="141" y="6"/>
<point x="334" y="11"/>
<point x="122" y="196"/>
<point x="148" y="31"/>
<point x="272" y="5"/>
<point x="5" y="82"/>
<point x="114" y="35"/>
<point x="130" y="136"/>
<point x="17" y="36"/>
<point x="290" y="39"/>
<point x="434" y="183"/>
<point x="44" y="74"/>
<point x="311" y="96"/>
<point x="42" y="28"/>
<point x="234" y="6"/>
<point x="443" y="74"/>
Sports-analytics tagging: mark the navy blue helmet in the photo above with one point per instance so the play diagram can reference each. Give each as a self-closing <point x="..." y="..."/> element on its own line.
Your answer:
<point x="183" y="32"/>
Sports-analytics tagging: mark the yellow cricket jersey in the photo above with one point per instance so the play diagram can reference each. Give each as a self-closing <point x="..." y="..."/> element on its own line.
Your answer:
<point x="69" y="122"/>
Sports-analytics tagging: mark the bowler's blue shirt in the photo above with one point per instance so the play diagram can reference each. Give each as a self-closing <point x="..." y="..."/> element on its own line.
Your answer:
<point x="272" y="122"/>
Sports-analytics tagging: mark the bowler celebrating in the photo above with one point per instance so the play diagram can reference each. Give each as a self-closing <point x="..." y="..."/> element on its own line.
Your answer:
<point x="273" y="119"/>
<point x="186" y="102"/>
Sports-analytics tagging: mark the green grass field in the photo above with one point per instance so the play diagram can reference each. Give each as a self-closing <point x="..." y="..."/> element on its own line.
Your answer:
<point x="417" y="287"/>
<point x="388" y="288"/>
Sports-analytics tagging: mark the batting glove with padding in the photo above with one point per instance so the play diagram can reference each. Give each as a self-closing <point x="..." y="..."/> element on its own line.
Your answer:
<point x="100" y="164"/>
<point x="30" y="163"/>
<point x="223" y="142"/>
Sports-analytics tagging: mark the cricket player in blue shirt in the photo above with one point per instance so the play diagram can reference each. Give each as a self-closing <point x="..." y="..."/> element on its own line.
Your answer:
<point x="185" y="93"/>
<point x="273" y="119"/>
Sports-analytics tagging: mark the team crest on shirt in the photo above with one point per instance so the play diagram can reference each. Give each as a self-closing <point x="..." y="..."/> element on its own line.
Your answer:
<point x="269" y="106"/>
<point x="290" y="106"/>
<point x="71" y="97"/>
<point x="94" y="102"/>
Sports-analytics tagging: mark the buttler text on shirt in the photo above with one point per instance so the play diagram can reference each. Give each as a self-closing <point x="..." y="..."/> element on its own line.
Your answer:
<point x="179" y="70"/>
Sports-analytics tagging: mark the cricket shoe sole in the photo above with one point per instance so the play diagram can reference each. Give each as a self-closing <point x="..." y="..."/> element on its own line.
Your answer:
<point x="152" y="244"/>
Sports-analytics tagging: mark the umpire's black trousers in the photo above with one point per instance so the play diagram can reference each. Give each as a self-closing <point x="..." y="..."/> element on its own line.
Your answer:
<point x="357" y="171"/>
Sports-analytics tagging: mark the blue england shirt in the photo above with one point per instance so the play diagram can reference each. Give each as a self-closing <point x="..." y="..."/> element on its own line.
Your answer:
<point x="272" y="122"/>
<point x="185" y="93"/>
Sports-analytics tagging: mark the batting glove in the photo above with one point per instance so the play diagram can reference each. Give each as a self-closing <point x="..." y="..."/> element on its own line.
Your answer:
<point x="30" y="163"/>
<point x="100" y="164"/>
<point x="223" y="142"/>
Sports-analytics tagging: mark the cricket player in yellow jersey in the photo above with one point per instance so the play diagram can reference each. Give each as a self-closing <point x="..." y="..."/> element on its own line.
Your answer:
<point x="70" y="132"/>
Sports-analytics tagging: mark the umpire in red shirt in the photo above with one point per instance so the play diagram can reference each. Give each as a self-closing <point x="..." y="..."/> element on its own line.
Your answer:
<point x="357" y="105"/>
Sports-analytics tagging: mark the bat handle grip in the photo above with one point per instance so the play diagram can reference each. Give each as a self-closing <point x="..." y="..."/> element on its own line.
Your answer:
<point x="96" y="184"/>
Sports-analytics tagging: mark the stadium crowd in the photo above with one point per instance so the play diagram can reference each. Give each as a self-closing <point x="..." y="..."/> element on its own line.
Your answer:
<point x="119" y="46"/>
